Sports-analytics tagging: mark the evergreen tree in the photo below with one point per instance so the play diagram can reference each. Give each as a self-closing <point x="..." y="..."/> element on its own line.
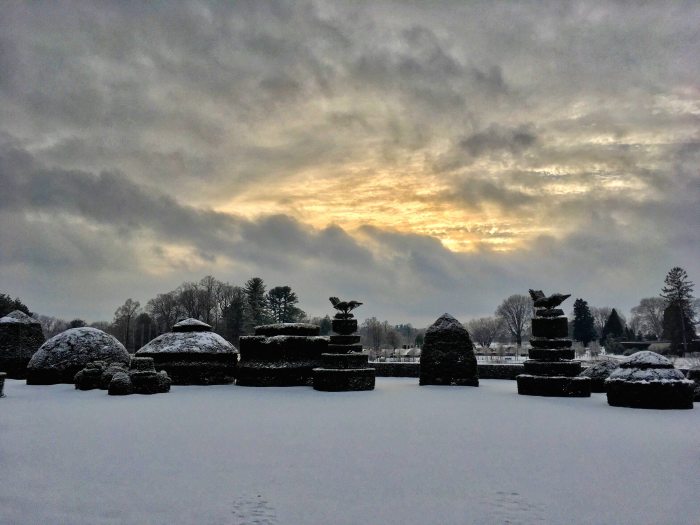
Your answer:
<point x="7" y="305"/>
<point x="584" y="327"/>
<point x="256" y="306"/>
<point x="613" y="327"/>
<point x="235" y="315"/>
<point x="678" y="292"/>
<point x="678" y="328"/>
<point x="282" y="301"/>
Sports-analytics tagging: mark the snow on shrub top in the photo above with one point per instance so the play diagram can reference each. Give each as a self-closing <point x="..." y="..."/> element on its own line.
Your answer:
<point x="446" y="323"/>
<point x="646" y="359"/>
<point x="647" y="367"/>
<point x="188" y="342"/>
<point x="600" y="370"/>
<point x="18" y="317"/>
<point x="648" y="375"/>
<point x="79" y="346"/>
<point x="191" y="325"/>
<point x="299" y="329"/>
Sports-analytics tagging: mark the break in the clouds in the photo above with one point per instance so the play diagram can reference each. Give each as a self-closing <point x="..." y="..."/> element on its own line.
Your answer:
<point x="423" y="157"/>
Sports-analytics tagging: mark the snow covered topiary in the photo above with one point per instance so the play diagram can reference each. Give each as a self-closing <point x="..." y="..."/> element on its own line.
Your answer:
<point x="447" y="356"/>
<point x="288" y="329"/>
<point x="120" y="385"/>
<point x="193" y="355"/>
<point x="62" y="356"/>
<point x="648" y="380"/>
<point x="90" y="377"/>
<point x="20" y="337"/>
<point x="599" y="372"/>
<point x="187" y="343"/>
<point x="191" y="325"/>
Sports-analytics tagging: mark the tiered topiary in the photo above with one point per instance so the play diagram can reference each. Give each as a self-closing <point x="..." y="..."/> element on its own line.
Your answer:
<point x="60" y="358"/>
<point x="599" y="372"/>
<point x="193" y="355"/>
<point x="20" y="337"/>
<point x="551" y="370"/>
<point x="344" y="368"/>
<point x="649" y="380"/>
<point x="447" y="356"/>
<point x="283" y="354"/>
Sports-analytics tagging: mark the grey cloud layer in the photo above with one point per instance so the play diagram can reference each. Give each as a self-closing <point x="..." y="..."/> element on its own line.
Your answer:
<point x="401" y="275"/>
<point x="123" y="123"/>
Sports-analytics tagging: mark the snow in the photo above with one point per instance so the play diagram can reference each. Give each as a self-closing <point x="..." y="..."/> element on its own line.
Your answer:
<point x="78" y="346"/>
<point x="191" y="322"/>
<point x="646" y="359"/>
<point x="401" y="454"/>
<point x="648" y="375"/>
<point x="18" y="317"/>
<point x="601" y="369"/>
<point x="188" y="342"/>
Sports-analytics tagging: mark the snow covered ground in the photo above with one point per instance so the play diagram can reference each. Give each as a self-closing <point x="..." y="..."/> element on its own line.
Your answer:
<point x="402" y="454"/>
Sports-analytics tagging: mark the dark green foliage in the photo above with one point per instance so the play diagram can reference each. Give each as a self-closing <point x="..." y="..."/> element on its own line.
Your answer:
<point x="282" y="301"/>
<point x="257" y="311"/>
<point x="678" y="324"/>
<point x="77" y="323"/>
<point x="7" y="305"/>
<point x="613" y="327"/>
<point x="678" y="328"/>
<point x="584" y="328"/>
<point x="234" y="315"/>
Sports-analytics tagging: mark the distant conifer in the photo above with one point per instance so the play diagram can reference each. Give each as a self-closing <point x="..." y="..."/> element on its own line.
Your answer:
<point x="613" y="327"/>
<point x="584" y="328"/>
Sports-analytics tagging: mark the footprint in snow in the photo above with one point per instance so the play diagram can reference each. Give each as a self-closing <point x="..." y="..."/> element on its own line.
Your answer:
<point x="253" y="510"/>
<point x="513" y="509"/>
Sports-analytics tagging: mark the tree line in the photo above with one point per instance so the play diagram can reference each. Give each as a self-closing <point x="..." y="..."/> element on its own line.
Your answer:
<point x="234" y="311"/>
<point x="670" y="317"/>
<point x="231" y="310"/>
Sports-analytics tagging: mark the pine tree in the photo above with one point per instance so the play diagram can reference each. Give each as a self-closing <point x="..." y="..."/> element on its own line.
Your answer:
<point x="613" y="327"/>
<point x="679" y="314"/>
<point x="678" y="328"/>
<point x="584" y="328"/>
<point x="7" y="305"/>
<point x="282" y="302"/>
<point x="257" y="311"/>
<point x="235" y="315"/>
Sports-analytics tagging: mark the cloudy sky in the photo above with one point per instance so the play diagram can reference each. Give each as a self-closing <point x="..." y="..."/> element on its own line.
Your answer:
<point x="420" y="156"/>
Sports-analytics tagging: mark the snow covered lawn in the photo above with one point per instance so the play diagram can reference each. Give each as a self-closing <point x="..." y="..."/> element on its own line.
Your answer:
<point x="402" y="454"/>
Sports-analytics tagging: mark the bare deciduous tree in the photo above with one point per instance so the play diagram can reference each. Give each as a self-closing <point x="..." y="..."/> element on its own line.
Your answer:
<point x="165" y="309"/>
<point x="600" y="316"/>
<point x="485" y="330"/>
<point x="516" y="313"/>
<point x="649" y="314"/>
<point x="123" y="318"/>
